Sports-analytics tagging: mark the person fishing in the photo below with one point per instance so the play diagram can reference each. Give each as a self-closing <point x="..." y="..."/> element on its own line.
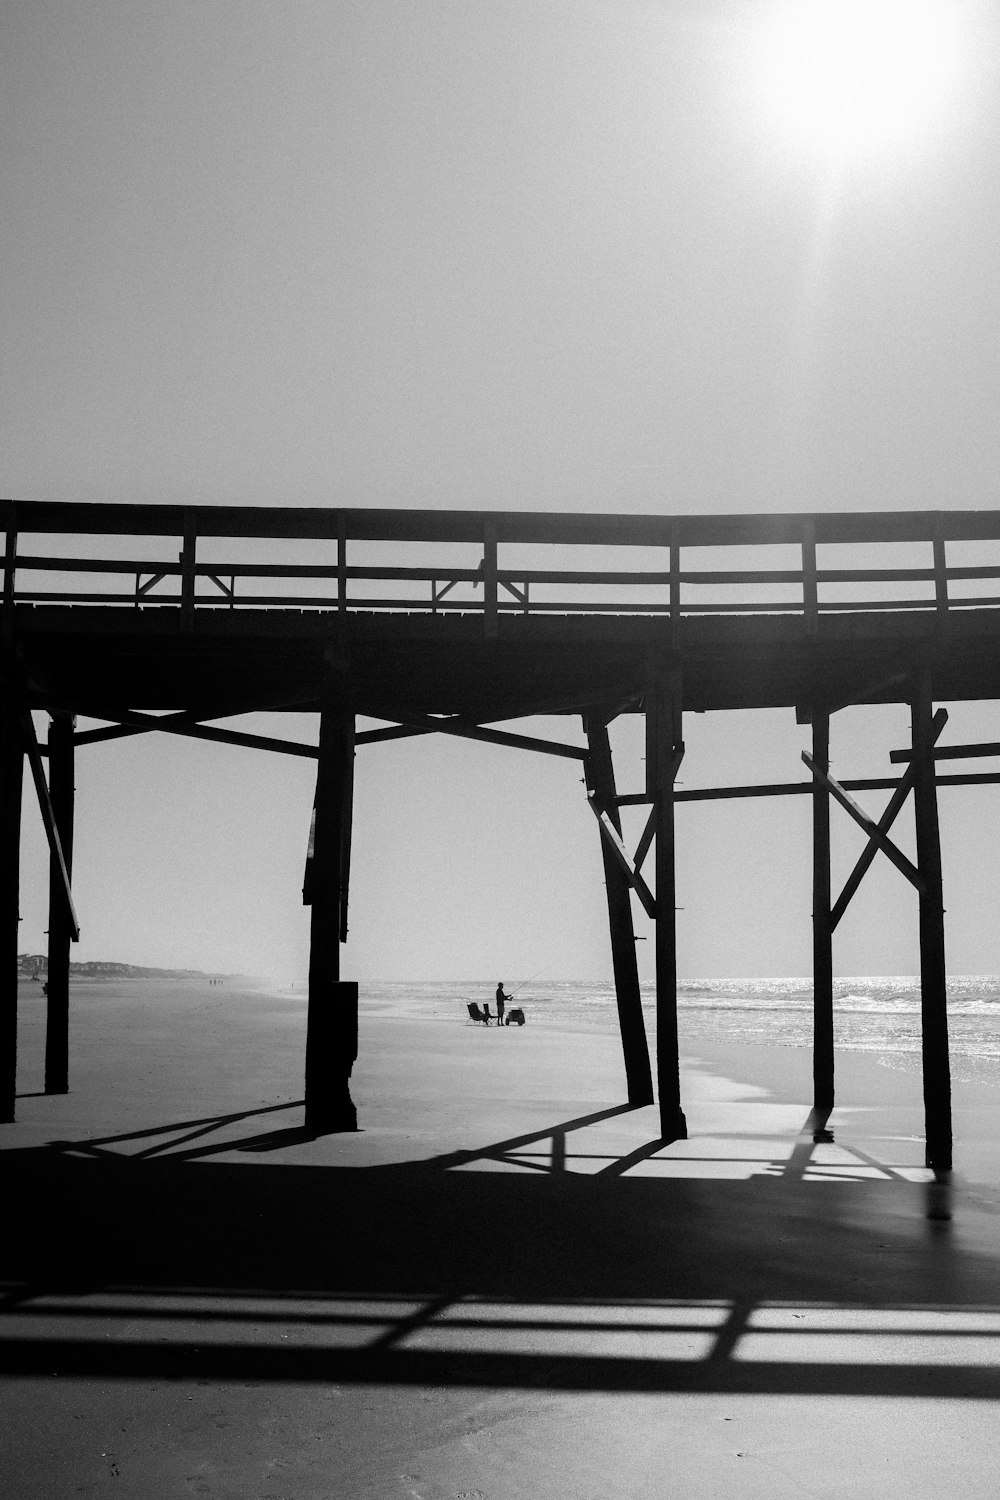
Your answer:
<point x="501" y="1003"/>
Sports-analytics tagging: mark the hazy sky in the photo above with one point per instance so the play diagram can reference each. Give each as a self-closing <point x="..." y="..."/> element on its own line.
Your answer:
<point x="555" y="254"/>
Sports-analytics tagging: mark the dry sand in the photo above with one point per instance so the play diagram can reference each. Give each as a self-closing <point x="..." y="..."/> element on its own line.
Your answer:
<point x="501" y="1286"/>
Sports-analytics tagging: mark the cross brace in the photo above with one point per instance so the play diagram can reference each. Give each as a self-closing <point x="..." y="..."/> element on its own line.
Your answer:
<point x="631" y="869"/>
<point x="47" y="811"/>
<point x="886" y="821"/>
<point x="871" y="828"/>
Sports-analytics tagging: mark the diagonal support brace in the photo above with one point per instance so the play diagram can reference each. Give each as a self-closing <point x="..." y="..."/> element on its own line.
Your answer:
<point x="884" y="824"/>
<point x="27" y="728"/>
<point x="613" y="840"/>
<point x="871" y="828"/>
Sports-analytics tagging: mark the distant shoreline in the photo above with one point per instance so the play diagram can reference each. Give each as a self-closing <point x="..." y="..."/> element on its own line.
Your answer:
<point x="34" y="966"/>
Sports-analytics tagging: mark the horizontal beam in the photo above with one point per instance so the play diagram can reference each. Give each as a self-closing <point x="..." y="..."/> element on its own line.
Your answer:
<point x="802" y="788"/>
<point x="463" y="729"/>
<point x="181" y="724"/>
<point x="610" y="529"/>
<point x="949" y="752"/>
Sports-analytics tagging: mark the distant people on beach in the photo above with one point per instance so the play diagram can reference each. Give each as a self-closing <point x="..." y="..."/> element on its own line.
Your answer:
<point x="501" y="1003"/>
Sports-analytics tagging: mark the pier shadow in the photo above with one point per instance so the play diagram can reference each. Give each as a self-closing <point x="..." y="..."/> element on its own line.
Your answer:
<point x="498" y="1267"/>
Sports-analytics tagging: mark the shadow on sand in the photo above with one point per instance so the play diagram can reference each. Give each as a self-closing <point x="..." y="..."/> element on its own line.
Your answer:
<point x="497" y="1267"/>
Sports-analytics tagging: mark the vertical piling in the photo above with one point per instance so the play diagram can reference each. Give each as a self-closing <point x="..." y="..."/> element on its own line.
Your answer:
<point x="61" y="794"/>
<point x="600" y="775"/>
<point x="933" y="978"/>
<point x="332" y="1021"/>
<point x="11" y="782"/>
<point x="823" y="1055"/>
<point x="664" y="750"/>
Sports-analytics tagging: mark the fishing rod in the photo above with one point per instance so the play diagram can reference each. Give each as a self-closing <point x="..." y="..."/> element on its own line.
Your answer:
<point x="523" y="985"/>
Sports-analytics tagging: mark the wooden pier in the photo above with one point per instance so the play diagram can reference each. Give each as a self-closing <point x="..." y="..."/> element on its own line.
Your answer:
<point x="161" y="619"/>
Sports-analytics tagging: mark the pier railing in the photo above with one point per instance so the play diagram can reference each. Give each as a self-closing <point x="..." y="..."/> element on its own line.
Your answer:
<point x="498" y="563"/>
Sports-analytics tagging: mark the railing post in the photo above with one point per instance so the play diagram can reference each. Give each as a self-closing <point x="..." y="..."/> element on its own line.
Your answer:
<point x="675" y="584"/>
<point x="187" y="565"/>
<point x="10" y="567"/>
<point x="940" y="570"/>
<point x="341" y="565"/>
<point x="810" y="588"/>
<point x="490" y="577"/>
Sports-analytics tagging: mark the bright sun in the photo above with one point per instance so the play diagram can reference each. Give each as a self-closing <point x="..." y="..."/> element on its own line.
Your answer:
<point x="852" y="76"/>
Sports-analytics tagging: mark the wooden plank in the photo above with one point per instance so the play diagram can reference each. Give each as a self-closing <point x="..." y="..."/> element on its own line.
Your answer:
<point x="600" y="779"/>
<point x="869" y="825"/>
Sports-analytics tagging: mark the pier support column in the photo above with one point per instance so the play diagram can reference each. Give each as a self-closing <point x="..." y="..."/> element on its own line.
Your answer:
<point x="332" y="1025"/>
<point x="61" y="794"/>
<point x="823" y="1056"/>
<point x="11" y="782"/>
<point x="600" y="778"/>
<point x="664" y="751"/>
<point x="933" y="979"/>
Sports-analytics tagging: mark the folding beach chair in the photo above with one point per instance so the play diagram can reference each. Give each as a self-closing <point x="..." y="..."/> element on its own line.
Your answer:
<point x="475" y="1014"/>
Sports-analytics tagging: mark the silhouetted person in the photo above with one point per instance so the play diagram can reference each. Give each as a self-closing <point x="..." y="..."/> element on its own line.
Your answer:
<point x="501" y="1003"/>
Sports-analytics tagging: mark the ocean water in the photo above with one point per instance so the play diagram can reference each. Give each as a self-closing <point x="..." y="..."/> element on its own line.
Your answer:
<point x="874" y="1013"/>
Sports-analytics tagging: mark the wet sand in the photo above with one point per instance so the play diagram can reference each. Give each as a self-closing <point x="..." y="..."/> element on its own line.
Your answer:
<point x="502" y="1286"/>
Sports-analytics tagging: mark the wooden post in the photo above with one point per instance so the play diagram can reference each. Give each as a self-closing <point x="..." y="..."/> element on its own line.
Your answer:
<point x="11" y="781"/>
<point x="490" y="577"/>
<point x="933" y="979"/>
<point x="188" y="554"/>
<point x="664" y="749"/>
<point x="823" y="1059"/>
<point x="810" y="588"/>
<point x="332" y="1024"/>
<point x="61" y="793"/>
<point x="600" y="777"/>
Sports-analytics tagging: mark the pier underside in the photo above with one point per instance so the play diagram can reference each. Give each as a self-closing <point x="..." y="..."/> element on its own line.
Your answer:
<point x="227" y="662"/>
<point x="811" y="613"/>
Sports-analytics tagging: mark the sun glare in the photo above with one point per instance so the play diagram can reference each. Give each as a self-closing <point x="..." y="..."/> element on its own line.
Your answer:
<point x="853" y="76"/>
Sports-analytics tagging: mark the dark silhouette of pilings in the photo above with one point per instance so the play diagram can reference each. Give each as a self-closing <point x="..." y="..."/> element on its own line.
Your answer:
<point x="823" y="1051"/>
<point x="332" y="1024"/>
<point x="664" y="750"/>
<point x="11" y="784"/>
<point x="600" y="778"/>
<point x="933" y="983"/>
<point x="61" y="793"/>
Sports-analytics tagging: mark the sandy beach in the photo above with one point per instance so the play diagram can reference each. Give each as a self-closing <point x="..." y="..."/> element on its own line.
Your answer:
<point x="502" y="1286"/>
